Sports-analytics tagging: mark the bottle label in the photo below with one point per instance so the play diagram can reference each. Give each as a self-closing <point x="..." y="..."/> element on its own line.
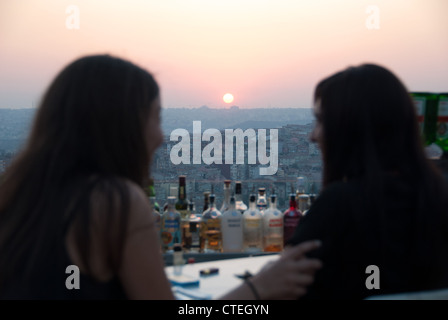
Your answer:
<point x="291" y="223"/>
<point x="420" y="103"/>
<point x="273" y="223"/>
<point x="442" y="119"/>
<point x="233" y="223"/>
<point x="171" y="224"/>
<point x="211" y="233"/>
<point x="253" y="223"/>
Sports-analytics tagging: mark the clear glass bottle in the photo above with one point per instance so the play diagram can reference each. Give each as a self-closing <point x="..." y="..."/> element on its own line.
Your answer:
<point x="206" y="201"/>
<point x="173" y="193"/>
<point x="304" y="203"/>
<point x="194" y="230"/>
<point x="253" y="231"/>
<point x="291" y="218"/>
<point x="178" y="259"/>
<point x="232" y="228"/>
<point x="170" y="228"/>
<point x="273" y="227"/>
<point x="262" y="203"/>
<point x="301" y="186"/>
<point x="226" y="201"/>
<point x="239" y="204"/>
<point x="211" y="237"/>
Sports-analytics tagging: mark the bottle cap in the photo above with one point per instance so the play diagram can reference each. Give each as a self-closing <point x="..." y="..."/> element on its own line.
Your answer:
<point x="177" y="247"/>
<point x="252" y="198"/>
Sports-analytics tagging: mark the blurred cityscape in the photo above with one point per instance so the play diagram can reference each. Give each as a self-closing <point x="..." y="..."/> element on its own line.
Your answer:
<point x="297" y="156"/>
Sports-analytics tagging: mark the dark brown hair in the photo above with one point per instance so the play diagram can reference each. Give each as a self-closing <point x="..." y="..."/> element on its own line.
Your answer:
<point x="88" y="135"/>
<point x="370" y="128"/>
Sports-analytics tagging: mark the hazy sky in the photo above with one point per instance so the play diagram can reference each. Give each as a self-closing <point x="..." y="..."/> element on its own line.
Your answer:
<point x="267" y="53"/>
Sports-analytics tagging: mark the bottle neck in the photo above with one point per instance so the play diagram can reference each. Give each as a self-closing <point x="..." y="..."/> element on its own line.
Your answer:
<point x="226" y="196"/>
<point x="182" y="193"/>
<point x="212" y="203"/>
<point x="170" y="206"/>
<point x="252" y="205"/>
<point x="232" y="203"/>
<point x="292" y="203"/>
<point x="238" y="196"/>
<point x="273" y="204"/>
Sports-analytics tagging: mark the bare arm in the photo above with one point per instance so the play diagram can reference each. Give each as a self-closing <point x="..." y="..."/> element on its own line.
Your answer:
<point x="142" y="271"/>
<point x="286" y="278"/>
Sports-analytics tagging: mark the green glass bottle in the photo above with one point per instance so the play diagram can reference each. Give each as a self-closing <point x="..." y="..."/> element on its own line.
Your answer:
<point x="442" y="122"/>
<point x="426" y="106"/>
<point x="151" y="193"/>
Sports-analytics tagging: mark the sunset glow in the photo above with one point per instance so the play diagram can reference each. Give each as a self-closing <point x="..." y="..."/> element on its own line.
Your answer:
<point x="228" y="98"/>
<point x="271" y="53"/>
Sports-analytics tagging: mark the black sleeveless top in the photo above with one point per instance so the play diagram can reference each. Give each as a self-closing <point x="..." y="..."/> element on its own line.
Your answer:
<point x="48" y="281"/>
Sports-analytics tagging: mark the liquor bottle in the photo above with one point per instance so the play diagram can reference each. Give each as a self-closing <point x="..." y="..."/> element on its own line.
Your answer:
<point x="262" y="203"/>
<point x="178" y="259"/>
<point x="239" y="204"/>
<point x="301" y="181"/>
<point x="273" y="227"/>
<point x="304" y="203"/>
<point x="170" y="228"/>
<point x="182" y="208"/>
<point x="291" y="218"/>
<point x="442" y="122"/>
<point x="151" y="192"/>
<point x="182" y="202"/>
<point x="156" y="214"/>
<point x="173" y="193"/>
<point x="426" y="107"/>
<point x="232" y="228"/>
<point x="313" y="197"/>
<point x="194" y="230"/>
<point x="226" y="201"/>
<point x="253" y="230"/>
<point x="211" y="237"/>
<point x="206" y="201"/>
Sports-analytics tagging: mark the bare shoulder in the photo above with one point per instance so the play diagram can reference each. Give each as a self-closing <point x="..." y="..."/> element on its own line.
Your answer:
<point x="119" y="195"/>
<point x="140" y="208"/>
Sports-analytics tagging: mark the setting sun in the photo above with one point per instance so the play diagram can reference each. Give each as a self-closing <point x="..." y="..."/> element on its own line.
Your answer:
<point x="228" y="98"/>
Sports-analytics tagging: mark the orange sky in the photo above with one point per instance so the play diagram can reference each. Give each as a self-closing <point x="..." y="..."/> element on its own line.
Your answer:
<point x="266" y="53"/>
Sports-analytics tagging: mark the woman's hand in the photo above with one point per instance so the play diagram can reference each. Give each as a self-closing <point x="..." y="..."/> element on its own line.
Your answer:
<point x="287" y="277"/>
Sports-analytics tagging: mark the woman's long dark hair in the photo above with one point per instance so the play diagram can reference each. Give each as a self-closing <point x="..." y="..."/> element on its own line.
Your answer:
<point x="369" y="128"/>
<point x="88" y="135"/>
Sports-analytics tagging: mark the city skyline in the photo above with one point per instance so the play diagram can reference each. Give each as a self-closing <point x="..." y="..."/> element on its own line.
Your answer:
<point x="265" y="53"/>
